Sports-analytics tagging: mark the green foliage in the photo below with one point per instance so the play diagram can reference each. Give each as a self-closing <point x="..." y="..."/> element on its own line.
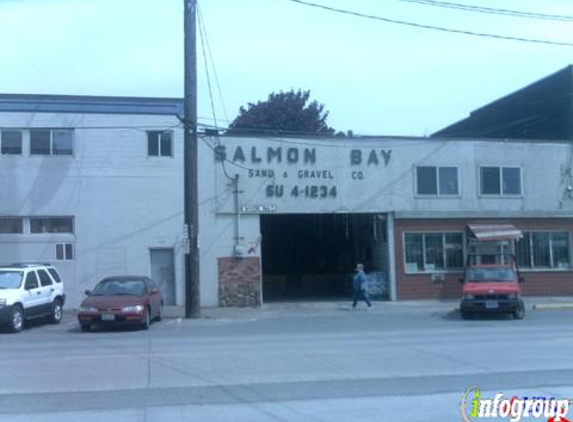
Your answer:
<point x="283" y="113"/>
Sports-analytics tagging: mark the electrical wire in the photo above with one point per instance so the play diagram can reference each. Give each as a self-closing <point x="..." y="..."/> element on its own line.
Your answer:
<point x="432" y="27"/>
<point x="202" y="37"/>
<point x="221" y="98"/>
<point x="298" y="139"/>
<point x="226" y="159"/>
<point x="491" y="10"/>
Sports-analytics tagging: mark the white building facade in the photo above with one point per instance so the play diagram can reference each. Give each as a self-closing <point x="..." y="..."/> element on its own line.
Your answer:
<point x="95" y="186"/>
<point x="88" y="191"/>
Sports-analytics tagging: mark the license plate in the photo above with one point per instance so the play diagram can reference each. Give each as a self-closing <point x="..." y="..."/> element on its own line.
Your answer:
<point x="108" y="317"/>
<point x="491" y="304"/>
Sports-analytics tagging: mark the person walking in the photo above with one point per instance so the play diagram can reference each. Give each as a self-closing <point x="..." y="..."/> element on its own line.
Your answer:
<point x="360" y="286"/>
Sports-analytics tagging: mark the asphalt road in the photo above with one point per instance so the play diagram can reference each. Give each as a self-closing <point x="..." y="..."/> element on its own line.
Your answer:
<point x="397" y="362"/>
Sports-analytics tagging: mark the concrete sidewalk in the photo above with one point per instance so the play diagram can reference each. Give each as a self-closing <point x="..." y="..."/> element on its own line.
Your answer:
<point x="308" y="308"/>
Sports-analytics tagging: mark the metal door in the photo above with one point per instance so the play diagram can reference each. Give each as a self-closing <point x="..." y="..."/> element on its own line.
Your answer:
<point x="163" y="273"/>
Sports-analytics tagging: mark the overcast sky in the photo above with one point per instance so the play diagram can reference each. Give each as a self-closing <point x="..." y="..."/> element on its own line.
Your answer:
<point x="374" y="77"/>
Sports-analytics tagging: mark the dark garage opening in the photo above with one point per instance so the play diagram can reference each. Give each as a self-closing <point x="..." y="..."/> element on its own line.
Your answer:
<point x="312" y="256"/>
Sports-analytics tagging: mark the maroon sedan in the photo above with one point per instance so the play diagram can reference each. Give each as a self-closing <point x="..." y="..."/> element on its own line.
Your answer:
<point x="134" y="300"/>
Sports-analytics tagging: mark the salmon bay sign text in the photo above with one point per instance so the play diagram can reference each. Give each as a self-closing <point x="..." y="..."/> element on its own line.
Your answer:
<point x="299" y="172"/>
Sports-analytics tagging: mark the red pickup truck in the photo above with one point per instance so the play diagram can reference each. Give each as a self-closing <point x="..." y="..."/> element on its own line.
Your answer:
<point x="492" y="288"/>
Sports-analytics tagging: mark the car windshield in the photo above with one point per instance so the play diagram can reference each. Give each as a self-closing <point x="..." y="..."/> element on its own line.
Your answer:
<point x="120" y="288"/>
<point x="10" y="279"/>
<point x="491" y="274"/>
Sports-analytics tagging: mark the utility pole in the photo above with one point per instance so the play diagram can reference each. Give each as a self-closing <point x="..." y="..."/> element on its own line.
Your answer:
<point x="190" y="185"/>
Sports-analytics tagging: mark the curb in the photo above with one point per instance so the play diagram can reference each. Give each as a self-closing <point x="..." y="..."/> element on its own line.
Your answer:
<point x="552" y="306"/>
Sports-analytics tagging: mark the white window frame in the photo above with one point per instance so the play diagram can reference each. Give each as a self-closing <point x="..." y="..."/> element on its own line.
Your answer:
<point x="22" y="220"/>
<point x="51" y="131"/>
<point x="73" y="221"/>
<point x="21" y="142"/>
<point x="533" y="268"/>
<point x="159" y="141"/>
<point x="432" y="232"/>
<point x="438" y="194"/>
<point x="63" y="246"/>
<point x="500" y="194"/>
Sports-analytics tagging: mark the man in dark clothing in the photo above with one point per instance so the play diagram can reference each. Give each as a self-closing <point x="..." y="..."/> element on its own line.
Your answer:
<point x="360" y="286"/>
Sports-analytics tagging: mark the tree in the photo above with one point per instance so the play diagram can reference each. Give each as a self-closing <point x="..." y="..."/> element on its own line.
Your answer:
<point x="283" y="113"/>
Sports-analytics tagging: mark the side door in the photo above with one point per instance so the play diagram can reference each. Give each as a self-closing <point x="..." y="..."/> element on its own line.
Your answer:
<point x="47" y="290"/>
<point x="32" y="297"/>
<point x="163" y="273"/>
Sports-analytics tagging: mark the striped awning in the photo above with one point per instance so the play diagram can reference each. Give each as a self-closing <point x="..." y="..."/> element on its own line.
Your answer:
<point x="494" y="232"/>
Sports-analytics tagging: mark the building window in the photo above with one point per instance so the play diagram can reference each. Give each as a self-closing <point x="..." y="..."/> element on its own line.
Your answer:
<point x="433" y="251"/>
<point x="11" y="225"/>
<point x="159" y="144"/>
<point x="500" y="180"/>
<point x="64" y="251"/>
<point x="52" y="142"/>
<point x="436" y="180"/>
<point x="11" y="141"/>
<point x="543" y="250"/>
<point x="51" y="225"/>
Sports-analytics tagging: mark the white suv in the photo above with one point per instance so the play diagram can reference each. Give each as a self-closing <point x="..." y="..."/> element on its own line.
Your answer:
<point x="29" y="291"/>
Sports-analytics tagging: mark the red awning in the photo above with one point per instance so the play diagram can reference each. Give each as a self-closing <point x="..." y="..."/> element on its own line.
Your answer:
<point x="494" y="232"/>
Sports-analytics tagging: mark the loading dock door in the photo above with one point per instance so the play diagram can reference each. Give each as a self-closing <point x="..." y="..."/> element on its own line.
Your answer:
<point x="312" y="256"/>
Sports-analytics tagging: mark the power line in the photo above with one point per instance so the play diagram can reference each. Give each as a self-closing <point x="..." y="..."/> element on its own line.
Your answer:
<point x="203" y="33"/>
<point x="424" y="26"/>
<point x="202" y="21"/>
<point x="491" y="10"/>
<point x="202" y="36"/>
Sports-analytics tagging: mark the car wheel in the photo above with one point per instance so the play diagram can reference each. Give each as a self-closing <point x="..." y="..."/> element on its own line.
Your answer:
<point x="16" y="321"/>
<point x="85" y="327"/>
<point x="146" y="320"/>
<point x="519" y="313"/>
<point x="57" y="312"/>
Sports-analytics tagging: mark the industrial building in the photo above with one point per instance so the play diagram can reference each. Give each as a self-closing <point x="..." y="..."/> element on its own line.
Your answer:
<point x="94" y="185"/>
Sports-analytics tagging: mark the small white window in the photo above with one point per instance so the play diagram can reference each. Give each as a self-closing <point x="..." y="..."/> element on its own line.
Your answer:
<point x="64" y="251"/>
<point x="11" y="225"/>
<point x="539" y="249"/>
<point x="51" y="225"/>
<point x="52" y="142"/>
<point x="428" y="252"/>
<point x="11" y="141"/>
<point x="500" y="180"/>
<point x="431" y="180"/>
<point x="159" y="144"/>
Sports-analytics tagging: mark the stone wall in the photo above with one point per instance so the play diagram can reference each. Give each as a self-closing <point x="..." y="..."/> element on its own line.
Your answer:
<point x="239" y="281"/>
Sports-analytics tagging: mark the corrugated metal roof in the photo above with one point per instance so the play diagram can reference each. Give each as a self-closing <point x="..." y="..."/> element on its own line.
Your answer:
<point x="90" y="104"/>
<point x="541" y="110"/>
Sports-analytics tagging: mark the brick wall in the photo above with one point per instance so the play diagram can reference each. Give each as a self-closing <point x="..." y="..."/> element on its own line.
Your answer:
<point x="421" y="286"/>
<point x="239" y="281"/>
